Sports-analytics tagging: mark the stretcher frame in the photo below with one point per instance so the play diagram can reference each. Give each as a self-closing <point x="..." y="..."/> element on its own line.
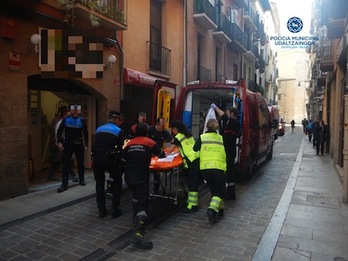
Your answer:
<point x="166" y="174"/>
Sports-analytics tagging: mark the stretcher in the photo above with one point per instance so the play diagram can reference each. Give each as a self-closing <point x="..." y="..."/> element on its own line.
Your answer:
<point x="168" y="171"/>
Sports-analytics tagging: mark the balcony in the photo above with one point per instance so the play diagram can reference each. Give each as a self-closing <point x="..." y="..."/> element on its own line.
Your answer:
<point x="250" y="18"/>
<point x="221" y="33"/>
<point x="203" y="74"/>
<point x="326" y="58"/>
<point x="159" y="59"/>
<point x="252" y="51"/>
<point x="106" y="13"/>
<point x="239" y="39"/>
<point x="205" y="14"/>
<point x="241" y="3"/>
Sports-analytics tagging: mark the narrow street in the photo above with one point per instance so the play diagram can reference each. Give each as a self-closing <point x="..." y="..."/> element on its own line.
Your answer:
<point x="75" y="232"/>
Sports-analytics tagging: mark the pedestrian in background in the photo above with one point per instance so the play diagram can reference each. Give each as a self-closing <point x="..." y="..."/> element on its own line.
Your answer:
<point x="213" y="166"/>
<point x="320" y="137"/>
<point x="315" y="126"/>
<point x="106" y="154"/>
<point x="75" y="141"/>
<point x="309" y="129"/>
<point x="292" y="126"/>
<point x="184" y="141"/>
<point x="137" y="158"/>
<point x="304" y="125"/>
<point x="230" y="134"/>
<point x="160" y="135"/>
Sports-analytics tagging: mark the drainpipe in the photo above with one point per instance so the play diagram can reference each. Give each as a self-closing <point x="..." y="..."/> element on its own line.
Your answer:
<point x="119" y="47"/>
<point x="184" y="72"/>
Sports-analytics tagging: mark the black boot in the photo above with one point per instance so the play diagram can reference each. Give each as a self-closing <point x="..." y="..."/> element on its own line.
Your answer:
<point x="211" y="216"/>
<point x="139" y="229"/>
<point x="102" y="212"/>
<point x="230" y="192"/>
<point x="62" y="188"/>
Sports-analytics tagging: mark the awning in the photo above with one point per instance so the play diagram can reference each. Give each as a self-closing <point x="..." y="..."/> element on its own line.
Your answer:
<point x="134" y="77"/>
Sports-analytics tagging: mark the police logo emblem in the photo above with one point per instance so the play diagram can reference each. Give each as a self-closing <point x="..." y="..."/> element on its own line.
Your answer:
<point x="295" y="24"/>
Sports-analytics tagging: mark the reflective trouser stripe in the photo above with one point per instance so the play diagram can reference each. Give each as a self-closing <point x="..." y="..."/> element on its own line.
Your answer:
<point x="230" y="183"/>
<point x="215" y="203"/>
<point x="192" y="199"/>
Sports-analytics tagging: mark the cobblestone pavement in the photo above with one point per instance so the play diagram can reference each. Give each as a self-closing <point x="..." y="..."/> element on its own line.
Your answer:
<point x="76" y="233"/>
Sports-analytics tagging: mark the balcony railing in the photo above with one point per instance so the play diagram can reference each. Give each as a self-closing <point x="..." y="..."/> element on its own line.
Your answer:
<point x="236" y="34"/>
<point x="203" y="74"/>
<point x="205" y="13"/>
<point x="250" y="18"/>
<point x="159" y="59"/>
<point x="326" y="58"/>
<point x="105" y="13"/>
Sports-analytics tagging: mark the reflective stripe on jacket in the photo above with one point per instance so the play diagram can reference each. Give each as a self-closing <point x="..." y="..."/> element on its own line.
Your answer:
<point x="186" y="148"/>
<point x="212" y="152"/>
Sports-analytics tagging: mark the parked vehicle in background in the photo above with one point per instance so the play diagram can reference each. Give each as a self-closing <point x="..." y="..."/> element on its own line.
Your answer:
<point x="281" y="127"/>
<point x="274" y="114"/>
<point x="256" y="141"/>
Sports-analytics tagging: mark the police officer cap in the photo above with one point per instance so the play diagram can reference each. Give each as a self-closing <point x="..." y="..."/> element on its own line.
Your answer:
<point x="115" y="114"/>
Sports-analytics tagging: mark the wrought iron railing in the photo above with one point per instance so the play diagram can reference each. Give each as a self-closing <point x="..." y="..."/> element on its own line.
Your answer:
<point x="203" y="74"/>
<point x="204" y="6"/>
<point x="159" y="59"/>
<point x="326" y="55"/>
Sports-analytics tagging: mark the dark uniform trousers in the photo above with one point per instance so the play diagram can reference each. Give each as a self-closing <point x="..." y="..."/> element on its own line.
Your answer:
<point x="103" y="162"/>
<point x="230" y="156"/>
<point x="79" y="150"/>
<point x="192" y="175"/>
<point x="216" y="181"/>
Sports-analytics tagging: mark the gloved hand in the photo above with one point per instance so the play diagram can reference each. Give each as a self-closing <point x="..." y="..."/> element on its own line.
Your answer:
<point x="213" y="105"/>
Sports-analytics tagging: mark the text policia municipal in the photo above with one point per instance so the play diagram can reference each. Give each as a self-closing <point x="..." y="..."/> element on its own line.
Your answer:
<point x="294" y="40"/>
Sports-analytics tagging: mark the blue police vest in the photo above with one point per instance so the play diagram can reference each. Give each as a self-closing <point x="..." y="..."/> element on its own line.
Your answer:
<point x="76" y="123"/>
<point x="109" y="128"/>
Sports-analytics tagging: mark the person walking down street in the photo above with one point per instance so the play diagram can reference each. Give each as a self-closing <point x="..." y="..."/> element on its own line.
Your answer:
<point x="136" y="158"/>
<point x="106" y="154"/>
<point x="315" y="126"/>
<point x="160" y="135"/>
<point x="304" y="125"/>
<point x="230" y="134"/>
<point x="57" y="154"/>
<point x="309" y="129"/>
<point x="320" y="137"/>
<point x="213" y="166"/>
<point x="76" y="141"/>
<point x="292" y="126"/>
<point x="184" y="141"/>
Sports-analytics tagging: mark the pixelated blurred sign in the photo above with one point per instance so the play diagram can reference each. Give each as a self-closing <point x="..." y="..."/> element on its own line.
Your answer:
<point x="14" y="62"/>
<point x="71" y="54"/>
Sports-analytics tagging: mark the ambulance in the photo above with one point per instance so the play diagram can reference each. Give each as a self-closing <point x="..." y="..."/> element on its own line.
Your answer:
<point x="255" y="144"/>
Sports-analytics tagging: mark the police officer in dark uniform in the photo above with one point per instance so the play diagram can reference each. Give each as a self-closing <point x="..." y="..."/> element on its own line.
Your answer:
<point x="76" y="141"/>
<point x="106" y="153"/>
<point x="137" y="157"/>
<point x="230" y="130"/>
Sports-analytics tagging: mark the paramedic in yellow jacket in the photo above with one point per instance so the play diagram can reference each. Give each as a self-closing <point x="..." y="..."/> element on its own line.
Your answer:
<point x="213" y="167"/>
<point x="184" y="140"/>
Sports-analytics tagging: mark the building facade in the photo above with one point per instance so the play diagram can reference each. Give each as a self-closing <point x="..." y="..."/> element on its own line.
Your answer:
<point x="329" y="78"/>
<point x="52" y="56"/>
<point x="145" y="51"/>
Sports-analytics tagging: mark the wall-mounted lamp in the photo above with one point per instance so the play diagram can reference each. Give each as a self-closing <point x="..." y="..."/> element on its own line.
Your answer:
<point x="36" y="40"/>
<point x="111" y="59"/>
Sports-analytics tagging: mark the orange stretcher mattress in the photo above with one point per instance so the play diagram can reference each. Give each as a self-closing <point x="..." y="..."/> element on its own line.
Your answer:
<point x="172" y="161"/>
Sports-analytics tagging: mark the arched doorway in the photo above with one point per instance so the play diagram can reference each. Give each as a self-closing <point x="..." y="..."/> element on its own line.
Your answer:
<point x="45" y="97"/>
